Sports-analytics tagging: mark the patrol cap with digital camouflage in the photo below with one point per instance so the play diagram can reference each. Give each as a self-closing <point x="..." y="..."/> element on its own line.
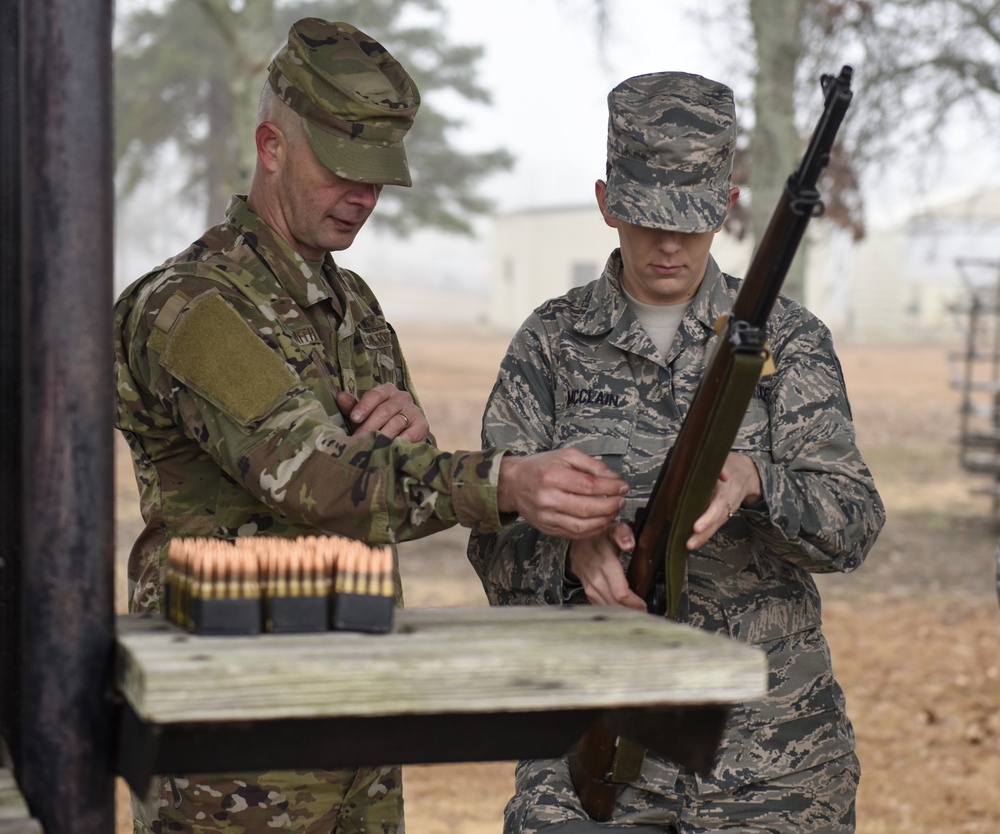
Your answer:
<point x="357" y="100"/>
<point x="671" y="140"/>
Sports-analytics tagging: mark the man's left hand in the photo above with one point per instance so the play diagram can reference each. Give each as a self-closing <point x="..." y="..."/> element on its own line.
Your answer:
<point x="738" y="486"/>
<point x="384" y="409"/>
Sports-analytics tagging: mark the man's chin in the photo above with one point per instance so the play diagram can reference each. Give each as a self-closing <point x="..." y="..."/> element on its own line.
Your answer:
<point x="341" y="241"/>
<point x="341" y="235"/>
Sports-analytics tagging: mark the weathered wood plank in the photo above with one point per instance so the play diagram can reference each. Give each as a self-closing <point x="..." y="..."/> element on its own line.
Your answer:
<point x="436" y="661"/>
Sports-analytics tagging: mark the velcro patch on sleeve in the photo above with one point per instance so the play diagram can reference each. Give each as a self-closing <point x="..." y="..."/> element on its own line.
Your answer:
<point x="213" y="351"/>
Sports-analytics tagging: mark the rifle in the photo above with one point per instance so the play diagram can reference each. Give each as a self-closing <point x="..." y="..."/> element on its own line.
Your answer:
<point x="599" y="763"/>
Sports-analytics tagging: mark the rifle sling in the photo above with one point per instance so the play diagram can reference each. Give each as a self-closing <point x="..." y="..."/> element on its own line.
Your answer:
<point x="627" y="763"/>
<point x="723" y="425"/>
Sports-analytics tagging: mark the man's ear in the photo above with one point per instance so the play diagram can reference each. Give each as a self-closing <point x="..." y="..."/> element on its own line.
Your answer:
<point x="600" y="191"/>
<point x="269" y="139"/>
<point x="734" y="195"/>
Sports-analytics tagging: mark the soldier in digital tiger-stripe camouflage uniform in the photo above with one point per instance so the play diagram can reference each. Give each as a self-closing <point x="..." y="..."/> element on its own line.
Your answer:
<point x="262" y="392"/>
<point x="611" y="368"/>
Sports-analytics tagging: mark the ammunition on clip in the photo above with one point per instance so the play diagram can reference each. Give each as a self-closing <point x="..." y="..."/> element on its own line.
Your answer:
<point x="364" y="592"/>
<point x="224" y="593"/>
<point x="296" y="586"/>
<point x="268" y="583"/>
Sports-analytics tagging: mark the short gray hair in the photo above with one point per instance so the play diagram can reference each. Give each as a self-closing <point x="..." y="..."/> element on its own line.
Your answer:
<point x="271" y="108"/>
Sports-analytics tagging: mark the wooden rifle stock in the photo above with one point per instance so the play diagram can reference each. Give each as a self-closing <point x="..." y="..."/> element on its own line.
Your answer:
<point x="658" y="569"/>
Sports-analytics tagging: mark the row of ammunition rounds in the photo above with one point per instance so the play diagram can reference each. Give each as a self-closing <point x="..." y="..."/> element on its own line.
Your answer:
<point x="265" y="583"/>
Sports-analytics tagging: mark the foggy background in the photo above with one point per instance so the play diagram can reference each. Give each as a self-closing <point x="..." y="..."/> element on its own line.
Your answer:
<point x="549" y="68"/>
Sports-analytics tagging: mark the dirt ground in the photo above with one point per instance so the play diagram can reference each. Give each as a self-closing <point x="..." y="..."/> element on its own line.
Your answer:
<point x="915" y="633"/>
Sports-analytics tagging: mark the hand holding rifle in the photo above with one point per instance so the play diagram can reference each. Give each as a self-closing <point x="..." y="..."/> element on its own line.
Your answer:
<point x="595" y="564"/>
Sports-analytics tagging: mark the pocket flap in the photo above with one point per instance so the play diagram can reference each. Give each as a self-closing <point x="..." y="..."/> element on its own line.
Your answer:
<point x="765" y="617"/>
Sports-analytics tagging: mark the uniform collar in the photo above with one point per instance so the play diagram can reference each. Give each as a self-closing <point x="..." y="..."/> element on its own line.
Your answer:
<point x="303" y="280"/>
<point x="608" y="315"/>
<point x="713" y="299"/>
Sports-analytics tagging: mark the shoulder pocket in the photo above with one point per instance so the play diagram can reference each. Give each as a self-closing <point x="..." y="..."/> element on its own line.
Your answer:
<point x="215" y="353"/>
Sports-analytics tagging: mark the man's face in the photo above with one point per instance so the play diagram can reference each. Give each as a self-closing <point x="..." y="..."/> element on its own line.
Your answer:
<point x="663" y="267"/>
<point x="660" y="267"/>
<point x="322" y="212"/>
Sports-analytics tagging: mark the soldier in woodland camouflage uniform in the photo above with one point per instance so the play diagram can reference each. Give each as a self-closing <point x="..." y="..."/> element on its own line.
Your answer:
<point x="262" y="392"/>
<point x="611" y="369"/>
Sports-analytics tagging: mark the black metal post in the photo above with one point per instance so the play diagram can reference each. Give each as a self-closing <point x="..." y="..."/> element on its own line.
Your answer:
<point x="11" y="505"/>
<point x="67" y="570"/>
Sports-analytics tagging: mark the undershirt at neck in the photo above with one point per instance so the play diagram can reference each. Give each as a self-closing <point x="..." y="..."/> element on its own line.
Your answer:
<point x="660" y="321"/>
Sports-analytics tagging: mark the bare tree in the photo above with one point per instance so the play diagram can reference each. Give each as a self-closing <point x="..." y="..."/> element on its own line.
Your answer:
<point x="921" y="66"/>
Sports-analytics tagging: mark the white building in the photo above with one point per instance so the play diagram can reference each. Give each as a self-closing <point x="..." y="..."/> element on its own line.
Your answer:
<point x="909" y="272"/>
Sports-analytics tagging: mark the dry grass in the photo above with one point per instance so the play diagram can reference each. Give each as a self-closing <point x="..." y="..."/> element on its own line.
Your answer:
<point x="914" y="633"/>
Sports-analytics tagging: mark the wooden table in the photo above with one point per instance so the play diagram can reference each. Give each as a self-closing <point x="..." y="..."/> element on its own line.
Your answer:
<point x="448" y="684"/>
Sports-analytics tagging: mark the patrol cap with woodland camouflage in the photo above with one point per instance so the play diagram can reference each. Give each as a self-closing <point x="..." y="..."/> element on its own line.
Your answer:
<point x="671" y="140"/>
<point x="357" y="100"/>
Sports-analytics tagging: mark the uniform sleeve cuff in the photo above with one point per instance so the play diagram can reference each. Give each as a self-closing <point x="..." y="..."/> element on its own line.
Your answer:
<point x="474" y="490"/>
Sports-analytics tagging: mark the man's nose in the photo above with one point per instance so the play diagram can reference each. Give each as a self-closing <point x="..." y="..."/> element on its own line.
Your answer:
<point x="670" y="241"/>
<point x="366" y="193"/>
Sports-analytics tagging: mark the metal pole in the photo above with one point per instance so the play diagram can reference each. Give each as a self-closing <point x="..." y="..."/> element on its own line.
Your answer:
<point x="68" y="726"/>
<point x="11" y="505"/>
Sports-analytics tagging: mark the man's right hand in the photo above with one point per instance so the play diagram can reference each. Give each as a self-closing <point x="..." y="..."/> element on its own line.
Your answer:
<point x="561" y="493"/>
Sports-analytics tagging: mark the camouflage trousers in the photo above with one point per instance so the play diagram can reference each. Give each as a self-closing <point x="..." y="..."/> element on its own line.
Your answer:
<point x="819" y="800"/>
<point x="362" y="801"/>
